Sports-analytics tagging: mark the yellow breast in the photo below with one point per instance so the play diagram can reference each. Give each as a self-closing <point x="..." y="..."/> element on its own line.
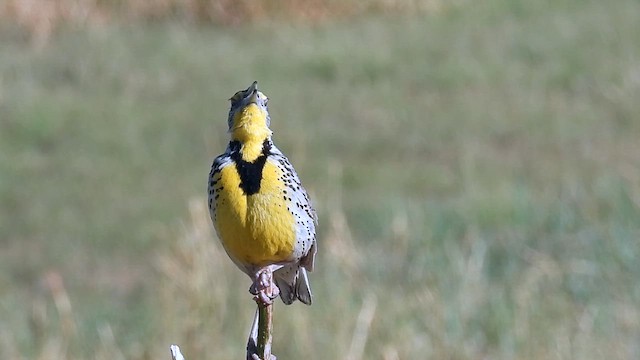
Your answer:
<point x="255" y="229"/>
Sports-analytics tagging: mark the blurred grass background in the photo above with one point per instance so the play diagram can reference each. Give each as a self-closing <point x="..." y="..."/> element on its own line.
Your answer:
<point x="475" y="165"/>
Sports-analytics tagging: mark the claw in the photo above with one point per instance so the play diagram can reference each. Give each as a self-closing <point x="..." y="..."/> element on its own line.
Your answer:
<point x="264" y="288"/>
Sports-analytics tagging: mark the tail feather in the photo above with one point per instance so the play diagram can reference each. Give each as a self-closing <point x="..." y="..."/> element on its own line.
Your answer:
<point x="293" y="283"/>
<point x="303" y="290"/>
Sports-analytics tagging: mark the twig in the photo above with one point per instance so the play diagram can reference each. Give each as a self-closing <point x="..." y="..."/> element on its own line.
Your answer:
<point x="261" y="336"/>
<point x="265" y="331"/>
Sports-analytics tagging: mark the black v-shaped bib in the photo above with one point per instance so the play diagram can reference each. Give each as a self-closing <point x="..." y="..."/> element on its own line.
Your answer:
<point x="250" y="172"/>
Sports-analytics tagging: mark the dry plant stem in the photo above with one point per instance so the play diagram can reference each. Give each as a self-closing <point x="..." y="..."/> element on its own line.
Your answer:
<point x="265" y="330"/>
<point x="261" y="336"/>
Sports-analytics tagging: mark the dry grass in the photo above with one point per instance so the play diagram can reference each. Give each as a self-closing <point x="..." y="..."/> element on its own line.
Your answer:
<point x="205" y="307"/>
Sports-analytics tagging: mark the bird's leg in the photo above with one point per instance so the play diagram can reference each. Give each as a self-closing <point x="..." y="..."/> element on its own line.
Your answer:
<point x="264" y="287"/>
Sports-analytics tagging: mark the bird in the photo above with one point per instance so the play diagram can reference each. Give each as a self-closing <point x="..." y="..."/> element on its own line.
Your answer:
<point x="261" y="212"/>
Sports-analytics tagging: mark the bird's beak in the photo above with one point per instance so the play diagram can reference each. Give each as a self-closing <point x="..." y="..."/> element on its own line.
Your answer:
<point x="253" y="92"/>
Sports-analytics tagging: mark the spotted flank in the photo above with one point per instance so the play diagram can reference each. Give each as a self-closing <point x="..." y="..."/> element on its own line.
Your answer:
<point x="261" y="212"/>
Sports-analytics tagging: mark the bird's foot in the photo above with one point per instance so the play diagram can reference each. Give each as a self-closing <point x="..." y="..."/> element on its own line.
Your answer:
<point x="263" y="287"/>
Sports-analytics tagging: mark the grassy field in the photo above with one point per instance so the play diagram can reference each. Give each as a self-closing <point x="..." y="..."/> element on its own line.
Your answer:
<point x="476" y="172"/>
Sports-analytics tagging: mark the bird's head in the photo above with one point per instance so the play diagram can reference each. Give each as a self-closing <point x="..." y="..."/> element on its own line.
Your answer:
<point x="249" y="117"/>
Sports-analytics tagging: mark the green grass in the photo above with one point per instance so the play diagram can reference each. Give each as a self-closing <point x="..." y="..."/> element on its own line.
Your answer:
<point x="475" y="171"/>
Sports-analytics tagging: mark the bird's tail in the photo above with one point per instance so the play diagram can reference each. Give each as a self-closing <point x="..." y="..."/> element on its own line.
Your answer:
<point x="293" y="282"/>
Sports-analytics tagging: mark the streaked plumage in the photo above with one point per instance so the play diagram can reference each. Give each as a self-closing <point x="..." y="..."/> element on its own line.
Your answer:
<point x="259" y="209"/>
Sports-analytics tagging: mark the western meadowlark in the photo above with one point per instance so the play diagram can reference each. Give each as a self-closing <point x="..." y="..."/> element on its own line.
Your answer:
<point x="259" y="209"/>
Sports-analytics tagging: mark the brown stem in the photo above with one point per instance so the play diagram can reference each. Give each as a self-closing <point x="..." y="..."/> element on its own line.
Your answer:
<point x="265" y="330"/>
